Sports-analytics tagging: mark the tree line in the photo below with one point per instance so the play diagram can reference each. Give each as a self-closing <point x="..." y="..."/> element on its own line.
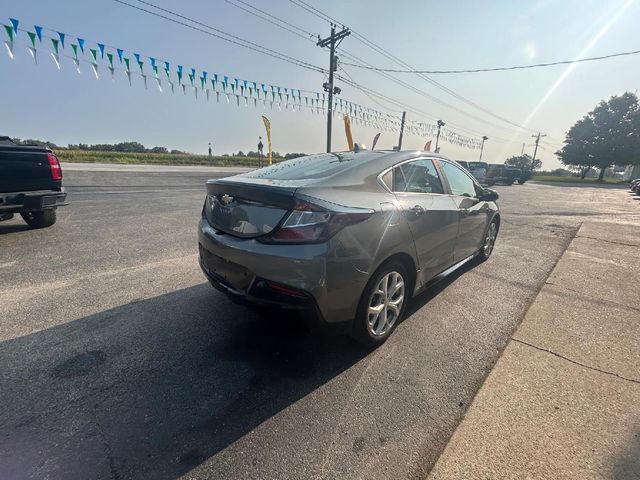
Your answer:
<point x="606" y="136"/>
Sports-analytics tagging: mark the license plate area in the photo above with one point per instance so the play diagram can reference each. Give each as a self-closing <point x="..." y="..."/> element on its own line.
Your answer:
<point x="235" y="275"/>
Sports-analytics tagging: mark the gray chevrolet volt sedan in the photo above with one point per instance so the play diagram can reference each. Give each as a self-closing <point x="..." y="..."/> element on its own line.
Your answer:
<point x="347" y="237"/>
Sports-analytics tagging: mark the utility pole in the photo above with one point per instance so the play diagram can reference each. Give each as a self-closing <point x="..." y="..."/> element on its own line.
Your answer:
<point x="535" y="150"/>
<point x="440" y="124"/>
<point x="404" y="115"/>
<point x="522" y="152"/>
<point x="484" y="138"/>
<point x="332" y="42"/>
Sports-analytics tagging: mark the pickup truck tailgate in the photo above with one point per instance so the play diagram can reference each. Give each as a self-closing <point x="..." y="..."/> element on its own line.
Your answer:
<point x="25" y="169"/>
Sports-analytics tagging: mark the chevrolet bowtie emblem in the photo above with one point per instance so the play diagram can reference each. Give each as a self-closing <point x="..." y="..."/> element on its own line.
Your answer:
<point x="226" y="199"/>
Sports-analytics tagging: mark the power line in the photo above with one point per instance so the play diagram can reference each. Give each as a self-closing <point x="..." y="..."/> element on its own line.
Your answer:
<point x="382" y="51"/>
<point x="233" y="38"/>
<point x="305" y="35"/>
<point x="501" y="69"/>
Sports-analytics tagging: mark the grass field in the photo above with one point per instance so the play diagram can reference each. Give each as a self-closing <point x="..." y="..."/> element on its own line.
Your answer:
<point x="561" y="179"/>
<point x="88" y="156"/>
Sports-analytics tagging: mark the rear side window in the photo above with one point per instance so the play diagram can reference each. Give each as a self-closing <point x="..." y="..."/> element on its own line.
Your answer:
<point x="460" y="183"/>
<point x="419" y="176"/>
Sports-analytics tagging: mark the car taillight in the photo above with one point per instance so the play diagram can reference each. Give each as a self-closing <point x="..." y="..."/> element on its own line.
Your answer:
<point x="54" y="165"/>
<point x="308" y="223"/>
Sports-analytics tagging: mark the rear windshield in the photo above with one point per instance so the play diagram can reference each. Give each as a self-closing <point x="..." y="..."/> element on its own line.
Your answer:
<point x="313" y="166"/>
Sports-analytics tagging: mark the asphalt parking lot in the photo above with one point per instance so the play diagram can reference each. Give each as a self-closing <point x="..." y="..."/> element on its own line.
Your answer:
<point x="120" y="361"/>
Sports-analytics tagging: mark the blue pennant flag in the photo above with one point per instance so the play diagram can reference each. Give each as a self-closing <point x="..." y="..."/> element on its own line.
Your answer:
<point x="61" y="37"/>
<point x="153" y="62"/>
<point x="81" y="44"/>
<point x="245" y="83"/>
<point x="285" y="90"/>
<point x="137" y="55"/>
<point x="166" y="65"/>
<point x="255" y="86"/>
<point x="180" y="69"/>
<point x="204" y="75"/>
<point x="120" y="54"/>
<point x="38" y="30"/>
<point x="215" y="77"/>
<point x="101" y="48"/>
<point x="193" y="72"/>
<point x="14" y="23"/>
<point x="226" y="79"/>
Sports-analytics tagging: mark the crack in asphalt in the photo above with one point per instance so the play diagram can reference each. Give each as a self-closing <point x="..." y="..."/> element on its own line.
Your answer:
<point x="610" y="241"/>
<point x="575" y="362"/>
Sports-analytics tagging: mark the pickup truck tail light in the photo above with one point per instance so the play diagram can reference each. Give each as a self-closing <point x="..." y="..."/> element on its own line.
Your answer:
<point x="54" y="165"/>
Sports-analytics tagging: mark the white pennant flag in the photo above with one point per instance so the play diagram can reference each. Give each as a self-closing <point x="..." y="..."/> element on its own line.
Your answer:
<point x="94" y="66"/>
<point x="227" y="97"/>
<point x="195" y="90"/>
<point x="113" y="73"/>
<point x="184" y="89"/>
<point x="172" y="87"/>
<point x="76" y="62"/>
<point x="217" y="97"/>
<point x="9" y="46"/>
<point x="128" y="74"/>
<point x="34" y="54"/>
<point x="56" y="59"/>
<point x="159" y="82"/>
<point x="144" y="79"/>
<point x="207" y="94"/>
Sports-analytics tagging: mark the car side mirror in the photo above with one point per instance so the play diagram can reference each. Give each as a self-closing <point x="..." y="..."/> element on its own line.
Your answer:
<point x="488" y="195"/>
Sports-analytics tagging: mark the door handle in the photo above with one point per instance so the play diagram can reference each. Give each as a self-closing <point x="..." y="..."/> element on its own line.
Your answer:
<point x="417" y="209"/>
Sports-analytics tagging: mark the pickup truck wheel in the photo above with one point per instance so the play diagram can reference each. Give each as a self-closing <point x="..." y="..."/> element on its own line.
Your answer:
<point x="521" y="182"/>
<point x="41" y="219"/>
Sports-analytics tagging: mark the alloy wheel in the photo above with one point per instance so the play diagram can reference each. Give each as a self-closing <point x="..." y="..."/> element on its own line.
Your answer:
<point x="490" y="240"/>
<point x="385" y="304"/>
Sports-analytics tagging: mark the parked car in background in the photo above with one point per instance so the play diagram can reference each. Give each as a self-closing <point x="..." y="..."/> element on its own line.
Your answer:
<point x="30" y="183"/>
<point x="346" y="237"/>
<point x="634" y="185"/>
<point x="502" y="174"/>
<point x="477" y="169"/>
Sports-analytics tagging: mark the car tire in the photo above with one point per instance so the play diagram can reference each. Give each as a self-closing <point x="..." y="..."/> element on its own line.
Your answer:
<point x="521" y="182"/>
<point x="489" y="241"/>
<point x="41" y="219"/>
<point x="374" y="295"/>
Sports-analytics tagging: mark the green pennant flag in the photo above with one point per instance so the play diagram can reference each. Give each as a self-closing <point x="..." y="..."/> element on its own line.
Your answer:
<point x="110" y="57"/>
<point x="126" y="62"/>
<point x="166" y="70"/>
<point x="179" y="76"/>
<point x="155" y="70"/>
<point x="55" y="43"/>
<point x="32" y="37"/>
<point x="141" y="64"/>
<point x="74" y="47"/>
<point x="191" y="78"/>
<point x="94" y="55"/>
<point x="202" y="80"/>
<point x="9" y="32"/>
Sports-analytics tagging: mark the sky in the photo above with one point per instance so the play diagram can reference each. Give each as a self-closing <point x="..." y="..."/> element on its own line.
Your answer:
<point x="43" y="102"/>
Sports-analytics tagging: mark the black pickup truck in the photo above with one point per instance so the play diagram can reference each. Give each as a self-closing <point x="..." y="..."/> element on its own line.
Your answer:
<point x="30" y="183"/>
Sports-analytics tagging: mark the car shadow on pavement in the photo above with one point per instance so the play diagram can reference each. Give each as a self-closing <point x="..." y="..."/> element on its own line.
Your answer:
<point x="153" y="388"/>
<point x="627" y="466"/>
<point x="13" y="227"/>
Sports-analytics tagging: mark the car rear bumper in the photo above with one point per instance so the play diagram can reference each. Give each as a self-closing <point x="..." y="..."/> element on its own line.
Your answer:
<point x="284" y="276"/>
<point x="17" y="202"/>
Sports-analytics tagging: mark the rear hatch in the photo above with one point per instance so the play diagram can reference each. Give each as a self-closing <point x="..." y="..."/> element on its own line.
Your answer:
<point x="247" y="208"/>
<point x="25" y="169"/>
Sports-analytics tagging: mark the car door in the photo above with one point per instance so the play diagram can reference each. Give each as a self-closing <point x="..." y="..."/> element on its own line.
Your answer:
<point x="432" y="215"/>
<point x="473" y="214"/>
